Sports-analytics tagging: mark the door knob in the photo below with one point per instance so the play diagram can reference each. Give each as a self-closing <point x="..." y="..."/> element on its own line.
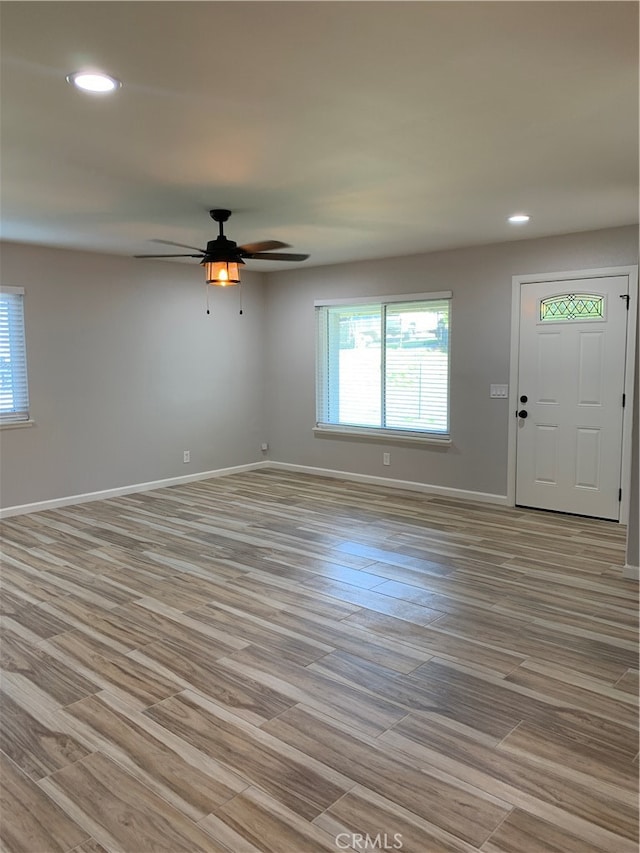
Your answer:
<point x="524" y="398"/>
<point x="522" y="413"/>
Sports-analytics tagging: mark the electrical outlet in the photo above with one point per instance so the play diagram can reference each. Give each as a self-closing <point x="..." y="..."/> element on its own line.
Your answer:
<point x="386" y="459"/>
<point x="186" y="456"/>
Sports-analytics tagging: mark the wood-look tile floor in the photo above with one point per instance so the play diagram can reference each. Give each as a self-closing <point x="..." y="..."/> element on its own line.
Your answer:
<point x="285" y="663"/>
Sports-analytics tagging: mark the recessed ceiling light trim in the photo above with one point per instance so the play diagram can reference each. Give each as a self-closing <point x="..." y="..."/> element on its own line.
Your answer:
<point x="94" y="82"/>
<point x="519" y="218"/>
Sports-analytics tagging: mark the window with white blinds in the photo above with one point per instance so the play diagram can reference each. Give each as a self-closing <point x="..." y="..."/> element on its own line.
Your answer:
<point x="384" y="365"/>
<point x="14" y="393"/>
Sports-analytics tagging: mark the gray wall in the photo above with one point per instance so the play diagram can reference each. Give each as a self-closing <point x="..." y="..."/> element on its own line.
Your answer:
<point x="126" y="371"/>
<point x="480" y="278"/>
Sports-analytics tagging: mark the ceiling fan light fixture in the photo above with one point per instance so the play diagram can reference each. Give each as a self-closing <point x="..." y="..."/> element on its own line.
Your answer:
<point x="95" y="82"/>
<point x="222" y="273"/>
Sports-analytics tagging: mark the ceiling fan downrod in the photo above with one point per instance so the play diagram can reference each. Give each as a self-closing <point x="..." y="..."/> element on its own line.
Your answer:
<point x="220" y="216"/>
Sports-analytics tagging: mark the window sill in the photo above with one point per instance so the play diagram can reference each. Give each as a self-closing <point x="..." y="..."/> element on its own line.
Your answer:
<point x="16" y="424"/>
<point x="387" y="436"/>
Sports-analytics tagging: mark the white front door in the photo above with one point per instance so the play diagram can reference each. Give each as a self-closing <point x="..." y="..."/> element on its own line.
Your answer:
<point x="570" y="395"/>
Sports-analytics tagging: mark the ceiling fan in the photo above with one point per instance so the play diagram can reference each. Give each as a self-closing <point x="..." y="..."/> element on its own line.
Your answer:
<point x="222" y="257"/>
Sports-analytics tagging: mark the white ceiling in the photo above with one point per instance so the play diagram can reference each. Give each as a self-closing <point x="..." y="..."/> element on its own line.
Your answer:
<point x="348" y="129"/>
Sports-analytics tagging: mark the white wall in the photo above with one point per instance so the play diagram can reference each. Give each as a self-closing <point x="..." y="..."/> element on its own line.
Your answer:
<point x="480" y="278"/>
<point x="126" y="371"/>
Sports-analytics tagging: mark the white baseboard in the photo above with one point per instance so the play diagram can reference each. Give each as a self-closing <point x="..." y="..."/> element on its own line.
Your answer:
<point x="54" y="503"/>
<point x="409" y="485"/>
<point x="631" y="572"/>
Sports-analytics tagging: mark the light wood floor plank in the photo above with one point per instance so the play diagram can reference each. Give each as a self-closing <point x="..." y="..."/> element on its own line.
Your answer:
<point x="131" y="741"/>
<point x="31" y="821"/>
<point x="37" y="749"/>
<point x="471" y="815"/>
<point x="363" y="812"/>
<point x="524" y="833"/>
<point x="121" y="813"/>
<point x="307" y="787"/>
<point x="259" y="819"/>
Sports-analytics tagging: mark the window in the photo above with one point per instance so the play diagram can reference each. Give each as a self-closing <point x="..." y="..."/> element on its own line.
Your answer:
<point x="14" y="394"/>
<point x="383" y="365"/>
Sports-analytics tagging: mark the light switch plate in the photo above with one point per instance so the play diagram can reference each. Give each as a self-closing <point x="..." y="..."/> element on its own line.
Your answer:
<point x="501" y="391"/>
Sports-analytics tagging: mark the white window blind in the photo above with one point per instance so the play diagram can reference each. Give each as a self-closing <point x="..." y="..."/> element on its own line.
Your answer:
<point x="14" y="394"/>
<point x="385" y="365"/>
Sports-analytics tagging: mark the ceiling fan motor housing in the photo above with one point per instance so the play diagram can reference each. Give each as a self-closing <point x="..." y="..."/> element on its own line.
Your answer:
<point x="222" y="249"/>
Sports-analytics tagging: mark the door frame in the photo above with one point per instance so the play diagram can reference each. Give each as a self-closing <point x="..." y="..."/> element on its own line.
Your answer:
<point x="518" y="282"/>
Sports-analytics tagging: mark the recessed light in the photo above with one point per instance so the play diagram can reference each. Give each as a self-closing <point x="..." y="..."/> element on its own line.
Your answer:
<point x="519" y="218"/>
<point x="94" y="81"/>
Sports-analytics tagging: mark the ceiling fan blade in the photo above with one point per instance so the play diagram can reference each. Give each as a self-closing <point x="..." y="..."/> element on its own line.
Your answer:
<point x="264" y="246"/>
<point x="168" y="256"/>
<point x="182" y="245"/>
<point x="276" y="256"/>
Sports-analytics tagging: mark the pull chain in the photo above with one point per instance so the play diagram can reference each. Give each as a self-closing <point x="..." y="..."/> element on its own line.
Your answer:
<point x="240" y="294"/>
<point x="206" y="290"/>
